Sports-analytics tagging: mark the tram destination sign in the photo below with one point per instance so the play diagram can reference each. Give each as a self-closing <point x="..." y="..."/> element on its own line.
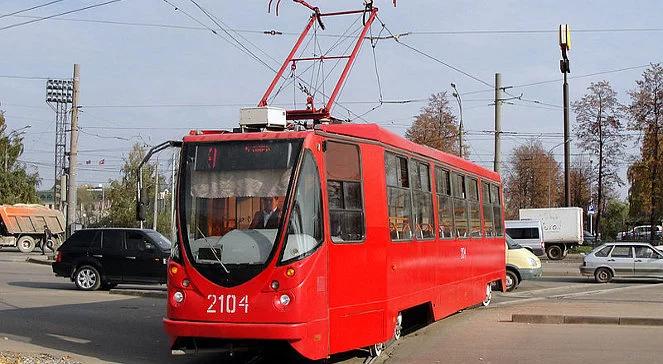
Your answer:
<point x="247" y="155"/>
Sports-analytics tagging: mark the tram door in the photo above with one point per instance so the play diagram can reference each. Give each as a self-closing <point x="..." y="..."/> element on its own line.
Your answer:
<point x="353" y="282"/>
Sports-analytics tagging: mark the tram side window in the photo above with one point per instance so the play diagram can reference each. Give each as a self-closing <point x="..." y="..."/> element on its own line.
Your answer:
<point x="399" y="201"/>
<point x="459" y="190"/>
<point x="489" y="223"/>
<point x="444" y="202"/>
<point x="497" y="209"/>
<point x="346" y="207"/>
<point x="474" y="208"/>
<point x="422" y="199"/>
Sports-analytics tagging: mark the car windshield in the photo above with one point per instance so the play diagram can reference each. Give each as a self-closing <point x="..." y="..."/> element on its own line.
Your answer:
<point x="512" y="243"/>
<point x="161" y="240"/>
<point x="234" y="194"/>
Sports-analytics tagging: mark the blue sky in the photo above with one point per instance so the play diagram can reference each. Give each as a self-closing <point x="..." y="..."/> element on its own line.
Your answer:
<point x="125" y="66"/>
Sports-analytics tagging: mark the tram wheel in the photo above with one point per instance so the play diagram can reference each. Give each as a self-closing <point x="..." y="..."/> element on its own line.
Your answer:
<point x="376" y="349"/>
<point x="489" y="295"/>
<point x="399" y="326"/>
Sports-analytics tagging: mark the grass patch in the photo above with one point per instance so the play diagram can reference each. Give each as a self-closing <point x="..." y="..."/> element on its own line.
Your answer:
<point x="581" y="249"/>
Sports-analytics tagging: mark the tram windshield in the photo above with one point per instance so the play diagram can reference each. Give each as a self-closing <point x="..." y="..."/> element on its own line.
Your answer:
<point x="233" y="195"/>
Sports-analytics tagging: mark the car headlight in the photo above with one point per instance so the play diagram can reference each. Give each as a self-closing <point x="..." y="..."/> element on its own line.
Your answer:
<point x="532" y="262"/>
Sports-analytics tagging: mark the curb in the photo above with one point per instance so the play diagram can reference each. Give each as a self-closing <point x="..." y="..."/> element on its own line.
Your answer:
<point x="591" y="320"/>
<point x="138" y="293"/>
<point x="38" y="261"/>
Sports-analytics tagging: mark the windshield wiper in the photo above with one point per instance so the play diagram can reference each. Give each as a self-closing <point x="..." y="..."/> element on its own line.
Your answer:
<point x="218" y="259"/>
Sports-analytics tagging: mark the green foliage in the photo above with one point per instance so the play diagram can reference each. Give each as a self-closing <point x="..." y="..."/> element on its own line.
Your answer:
<point x="121" y="195"/>
<point x="615" y="219"/>
<point x="17" y="184"/>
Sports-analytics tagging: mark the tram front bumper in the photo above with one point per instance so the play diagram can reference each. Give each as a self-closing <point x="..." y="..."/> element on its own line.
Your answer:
<point x="226" y="330"/>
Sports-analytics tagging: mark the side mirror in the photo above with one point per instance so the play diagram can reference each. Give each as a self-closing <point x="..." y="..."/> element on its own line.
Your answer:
<point x="149" y="246"/>
<point x="141" y="206"/>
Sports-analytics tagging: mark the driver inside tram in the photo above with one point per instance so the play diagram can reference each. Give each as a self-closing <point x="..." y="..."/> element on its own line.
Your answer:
<point x="269" y="214"/>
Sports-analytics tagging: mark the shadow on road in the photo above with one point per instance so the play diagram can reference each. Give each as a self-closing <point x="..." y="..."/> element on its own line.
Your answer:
<point x="44" y="285"/>
<point x="571" y="279"/>
<point x="124" y="331"/>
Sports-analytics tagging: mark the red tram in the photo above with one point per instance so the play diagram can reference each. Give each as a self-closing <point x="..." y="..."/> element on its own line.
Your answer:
<point x="323" y="237"/>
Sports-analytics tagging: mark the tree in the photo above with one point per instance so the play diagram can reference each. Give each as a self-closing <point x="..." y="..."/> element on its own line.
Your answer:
<point x="580" y="180"/>
<point x="533" y="179"/>
<point x="17" y="184"/>
<point x="121" y="194"/>
<point x="436" y="126"/>
<point x="598" y="128"/>
<point x="646" y="174"/>
<point x="616" y="215"/>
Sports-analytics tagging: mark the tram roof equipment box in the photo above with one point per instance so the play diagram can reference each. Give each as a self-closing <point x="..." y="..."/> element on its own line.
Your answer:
<point x="262" y="117"/>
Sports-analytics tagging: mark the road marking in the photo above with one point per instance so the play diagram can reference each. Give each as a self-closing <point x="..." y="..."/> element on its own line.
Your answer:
<point x="70" y="339"/>
<point x="598" y="291"/>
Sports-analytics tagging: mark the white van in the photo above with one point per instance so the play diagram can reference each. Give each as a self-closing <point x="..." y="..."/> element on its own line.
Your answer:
<point x="528" y="233"/>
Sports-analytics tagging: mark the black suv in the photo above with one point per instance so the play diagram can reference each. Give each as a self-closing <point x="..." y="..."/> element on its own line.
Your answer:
<point x="103" y="258"/>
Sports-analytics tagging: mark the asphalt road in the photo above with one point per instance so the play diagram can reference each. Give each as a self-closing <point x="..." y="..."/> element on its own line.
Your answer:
<point x="39" y="312"/>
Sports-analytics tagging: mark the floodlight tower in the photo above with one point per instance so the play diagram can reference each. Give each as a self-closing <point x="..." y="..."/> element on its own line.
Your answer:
<point x="59" y="96"/>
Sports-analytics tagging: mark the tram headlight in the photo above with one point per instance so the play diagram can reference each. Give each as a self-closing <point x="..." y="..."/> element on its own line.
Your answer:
<point x="186" y="283"/>
<point x="275" y="285"/>
<point x="290" y="272"/>
<point x="284" y="300"/>
<point x="178" y="297"/>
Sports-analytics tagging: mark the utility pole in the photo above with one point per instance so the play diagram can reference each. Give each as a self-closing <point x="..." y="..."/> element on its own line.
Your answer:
<point x="565" y="45"/>
<point x="498" y="122"/>
<point x="156" y="194"/>
<point x="173" y="180"/>
<point x="73" y="153"/>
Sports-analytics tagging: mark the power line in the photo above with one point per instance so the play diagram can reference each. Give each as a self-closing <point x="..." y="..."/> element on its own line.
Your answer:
<point x="531" y="31"/>
<point x="26" y="77"/>
<point x="274" y="32"/>
<point x="32" y="8"/>
<point x="60" y="14"/>
<point x="397" y="40"/>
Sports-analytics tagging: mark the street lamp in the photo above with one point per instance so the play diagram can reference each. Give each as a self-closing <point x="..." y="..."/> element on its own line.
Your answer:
<point x="456" y="94"/>
<point x="565" y="46"/>
<point x="15" y="133"/>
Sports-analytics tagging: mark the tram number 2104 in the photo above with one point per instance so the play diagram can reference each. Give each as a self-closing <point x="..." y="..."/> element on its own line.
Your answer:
<point x="227" y="303"/>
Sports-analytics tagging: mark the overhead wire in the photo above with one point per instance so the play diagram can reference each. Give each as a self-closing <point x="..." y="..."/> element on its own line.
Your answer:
<point x="427" y="55"/>
<point x="30" y="8"/>
<point x="59" y="14"/>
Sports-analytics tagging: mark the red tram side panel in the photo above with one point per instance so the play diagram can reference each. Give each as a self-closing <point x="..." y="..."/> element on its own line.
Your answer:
<point x="369" y="225"/>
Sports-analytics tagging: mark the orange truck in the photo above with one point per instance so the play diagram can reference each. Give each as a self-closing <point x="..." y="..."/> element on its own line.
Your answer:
<point x="22" y="226"/>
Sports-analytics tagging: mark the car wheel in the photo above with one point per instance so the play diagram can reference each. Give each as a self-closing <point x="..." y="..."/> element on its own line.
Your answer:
<point x="87" y="278"/>
<point x="555" y="252"/>
<point x="512" y="280"/>
<point x="26" y="244"/>
<point x="603" y="275"/>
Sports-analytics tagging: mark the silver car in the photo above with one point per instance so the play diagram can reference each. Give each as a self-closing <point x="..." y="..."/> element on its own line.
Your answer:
<point x="623" y="260"/>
